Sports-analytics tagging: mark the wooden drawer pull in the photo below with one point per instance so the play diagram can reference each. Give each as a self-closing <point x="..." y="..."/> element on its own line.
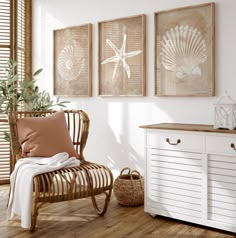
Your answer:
<point x="233" y="146"/>
<point x="168" y="141"/>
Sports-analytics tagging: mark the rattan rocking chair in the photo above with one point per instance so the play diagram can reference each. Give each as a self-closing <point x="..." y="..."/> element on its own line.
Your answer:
<point x="87" y="180"/>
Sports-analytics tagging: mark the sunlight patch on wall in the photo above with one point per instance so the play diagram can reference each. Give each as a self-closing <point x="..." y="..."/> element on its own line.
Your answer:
<point x="115" y="119"/>
<point x="43" y="35"/>
<point x="37" y="33"/>
<point x="157" y="114"/>
<point x="112" y="165"/>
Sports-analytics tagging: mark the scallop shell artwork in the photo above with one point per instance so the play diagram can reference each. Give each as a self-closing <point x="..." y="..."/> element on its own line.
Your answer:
<point x="183" y="51"/>
<point x="70" y="61"/>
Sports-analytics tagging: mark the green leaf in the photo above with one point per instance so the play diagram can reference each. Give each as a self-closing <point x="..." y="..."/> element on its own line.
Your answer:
<point x="7" y="136"/>
<point x="14" y="91"/>
<point x="37" y="72"/>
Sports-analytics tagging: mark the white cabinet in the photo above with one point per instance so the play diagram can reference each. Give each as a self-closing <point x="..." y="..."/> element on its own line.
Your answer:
<point x="191" y="174"/>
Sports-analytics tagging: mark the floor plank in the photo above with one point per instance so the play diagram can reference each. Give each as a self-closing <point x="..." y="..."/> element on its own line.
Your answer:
<point x="78" y="219"/>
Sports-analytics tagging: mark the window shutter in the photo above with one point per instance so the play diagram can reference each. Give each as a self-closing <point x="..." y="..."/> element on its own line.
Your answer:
<point x="5" y="54"/>
<point x="5" y="32"/>
<point x="23" y="38"/>
<point x="4" y="151"/>
<point x="15" y="43"/>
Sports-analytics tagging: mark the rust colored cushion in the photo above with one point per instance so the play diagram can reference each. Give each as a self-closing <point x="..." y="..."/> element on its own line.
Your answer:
<point x="44" y="136"/>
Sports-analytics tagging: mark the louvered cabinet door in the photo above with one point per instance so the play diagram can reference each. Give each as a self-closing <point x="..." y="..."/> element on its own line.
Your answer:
<point x="174" y="175"/>
<point x="221" y="179"/>
<point x="175" y="184"/>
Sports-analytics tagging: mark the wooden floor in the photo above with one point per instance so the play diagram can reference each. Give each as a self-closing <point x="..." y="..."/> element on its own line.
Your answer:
<point x="78" y="219"/>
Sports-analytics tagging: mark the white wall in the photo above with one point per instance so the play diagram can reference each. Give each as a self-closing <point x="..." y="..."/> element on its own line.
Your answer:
<point x="115" y="138"/>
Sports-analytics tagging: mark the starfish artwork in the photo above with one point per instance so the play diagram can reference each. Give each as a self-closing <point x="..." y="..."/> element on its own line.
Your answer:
<point x="120" y="57"/>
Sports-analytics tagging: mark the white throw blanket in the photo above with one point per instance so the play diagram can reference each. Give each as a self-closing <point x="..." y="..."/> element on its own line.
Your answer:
<point x="20" y="201"/>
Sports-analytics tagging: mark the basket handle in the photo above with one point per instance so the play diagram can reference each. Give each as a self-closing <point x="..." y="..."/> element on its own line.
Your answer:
<point x="126" y="168"/>
<point x="136" y="172"/>
<point x="139" y="175"/>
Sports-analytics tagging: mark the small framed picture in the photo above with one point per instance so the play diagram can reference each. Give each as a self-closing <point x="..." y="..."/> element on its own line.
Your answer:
<point x="73" y="61"/>
<point x="121" y="59"/>
<point x="185" y="51"/>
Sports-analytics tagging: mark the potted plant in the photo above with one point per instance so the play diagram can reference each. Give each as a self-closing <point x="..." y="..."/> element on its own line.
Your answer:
<point x="14" y="92"/>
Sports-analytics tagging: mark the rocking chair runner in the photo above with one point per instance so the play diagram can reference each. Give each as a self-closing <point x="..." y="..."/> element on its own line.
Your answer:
<point x="87" y="180"/>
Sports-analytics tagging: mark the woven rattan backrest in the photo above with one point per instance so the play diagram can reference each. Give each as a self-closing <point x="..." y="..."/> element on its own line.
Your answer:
<point x="77" y="122"/>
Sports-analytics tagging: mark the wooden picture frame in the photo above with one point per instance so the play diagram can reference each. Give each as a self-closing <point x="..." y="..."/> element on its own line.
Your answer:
<point x="185" y="51"/>
<point x="73" y="61"/>
<point x="122" y="57"/>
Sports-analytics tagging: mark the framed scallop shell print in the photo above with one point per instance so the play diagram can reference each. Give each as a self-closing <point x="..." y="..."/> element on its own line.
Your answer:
<point x="184" y="51"/>
<point x="72" y="61"/>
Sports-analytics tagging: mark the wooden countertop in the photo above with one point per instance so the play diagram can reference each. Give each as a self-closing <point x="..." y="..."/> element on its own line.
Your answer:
<point x="187" y="127"/>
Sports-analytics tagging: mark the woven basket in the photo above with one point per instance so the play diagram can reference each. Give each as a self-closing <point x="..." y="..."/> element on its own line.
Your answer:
<point x="129" y="188"/>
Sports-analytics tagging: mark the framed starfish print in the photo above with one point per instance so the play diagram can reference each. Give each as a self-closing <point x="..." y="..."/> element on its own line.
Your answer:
<point x="121" y="60"/>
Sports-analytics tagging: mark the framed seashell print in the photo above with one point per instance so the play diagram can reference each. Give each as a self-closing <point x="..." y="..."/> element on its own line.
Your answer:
<point x="72" y="61"/>
<point x="121" y="59"/>
<point x="185" y="51"/>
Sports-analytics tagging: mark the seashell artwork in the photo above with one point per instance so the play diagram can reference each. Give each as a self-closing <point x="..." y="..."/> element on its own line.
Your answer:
<point x="185" y="51"/>
<point x="182" y="50"/>
<point x="70" y="61"/>
<point x="73" y="61"/>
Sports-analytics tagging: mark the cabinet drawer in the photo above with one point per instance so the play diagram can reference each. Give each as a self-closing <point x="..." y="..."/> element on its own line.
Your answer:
<point x="221" y="145"/>
<point x="176" y="141"/>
